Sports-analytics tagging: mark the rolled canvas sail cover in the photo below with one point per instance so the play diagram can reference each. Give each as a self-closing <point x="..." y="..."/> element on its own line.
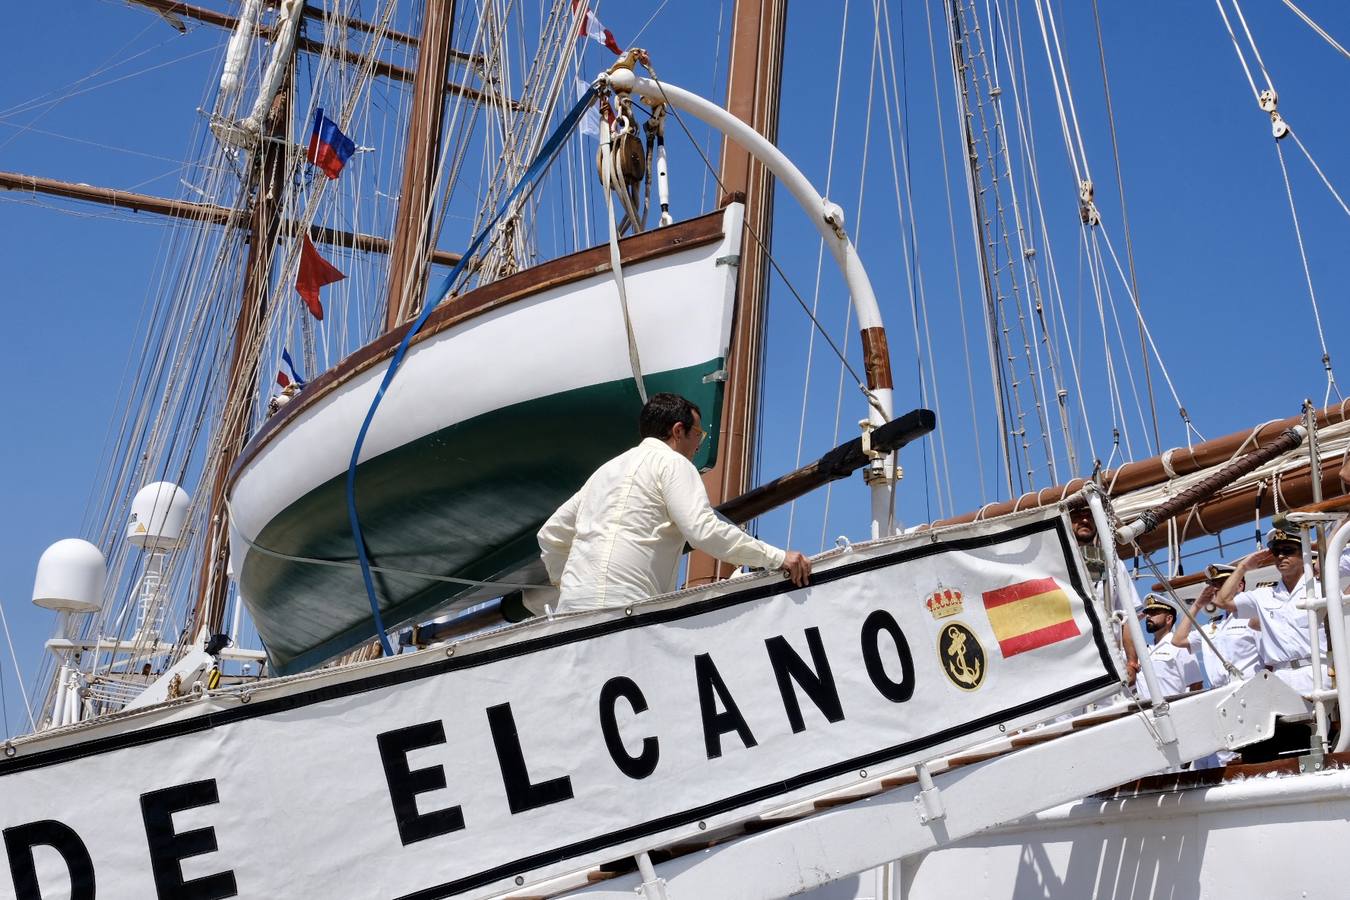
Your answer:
<point x="469" y="770"/>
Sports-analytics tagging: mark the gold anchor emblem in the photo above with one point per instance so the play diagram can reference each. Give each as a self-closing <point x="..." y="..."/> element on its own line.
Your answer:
<point x="961" y="656"/>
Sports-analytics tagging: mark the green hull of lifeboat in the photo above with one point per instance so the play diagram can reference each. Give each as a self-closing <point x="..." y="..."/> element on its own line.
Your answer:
<point x="464" y="502"/>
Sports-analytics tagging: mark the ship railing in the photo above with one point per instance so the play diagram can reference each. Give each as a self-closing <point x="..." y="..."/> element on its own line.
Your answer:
<point x="1166" y="730"/>
<point x="1326" y="611"/>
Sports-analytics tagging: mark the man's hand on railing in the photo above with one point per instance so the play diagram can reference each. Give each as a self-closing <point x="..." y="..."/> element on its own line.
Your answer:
<point x="797" y="568"/>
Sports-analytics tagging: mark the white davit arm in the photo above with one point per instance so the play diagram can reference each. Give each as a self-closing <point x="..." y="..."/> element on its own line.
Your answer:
<point x="827" y="217"/>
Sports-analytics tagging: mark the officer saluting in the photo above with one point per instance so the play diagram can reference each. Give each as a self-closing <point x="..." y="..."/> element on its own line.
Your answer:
<point x="1282" y="643"/>
<point x="1173" y="664"/>
<point x="1231" y="636"/>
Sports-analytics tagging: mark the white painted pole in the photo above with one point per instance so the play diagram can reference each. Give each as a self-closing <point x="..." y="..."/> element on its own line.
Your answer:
<point x="235" y="619"/>
<point x="1310" y="589"/>
<point x="1340" y="654"/>
<point x="1166" y="730"/>
<point x="828" y="218"/>
<point x="59" y="707"/>
<point x="73" y="702"/>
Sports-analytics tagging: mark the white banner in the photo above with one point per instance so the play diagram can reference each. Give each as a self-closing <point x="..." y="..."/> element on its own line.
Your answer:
<point x="475" y="769"/>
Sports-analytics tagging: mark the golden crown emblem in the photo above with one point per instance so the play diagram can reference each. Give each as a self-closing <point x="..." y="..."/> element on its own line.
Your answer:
<point x="944" y="602"/>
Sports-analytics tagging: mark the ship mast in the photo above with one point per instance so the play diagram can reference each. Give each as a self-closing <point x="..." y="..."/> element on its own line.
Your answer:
<point x="413" y="237"/>
<point x="264" y="228"/>
<point x="753" y="82"/>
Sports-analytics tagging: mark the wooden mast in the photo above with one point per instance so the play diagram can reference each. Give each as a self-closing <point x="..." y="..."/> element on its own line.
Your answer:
<point x="241" y="383"/>
<point x="753" y="81"/>
<point x="413" y="232"/>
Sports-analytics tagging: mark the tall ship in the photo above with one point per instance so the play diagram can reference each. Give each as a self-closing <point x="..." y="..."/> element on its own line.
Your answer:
<point x="423" y="266"/>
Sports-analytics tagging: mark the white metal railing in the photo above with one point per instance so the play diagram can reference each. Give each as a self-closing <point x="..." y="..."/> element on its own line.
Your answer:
<point x="1166" y="732"/>
<point x="1324" y="604"/>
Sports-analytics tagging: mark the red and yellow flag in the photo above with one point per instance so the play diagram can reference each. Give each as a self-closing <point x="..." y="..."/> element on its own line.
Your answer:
<point x="1030" y="614"/>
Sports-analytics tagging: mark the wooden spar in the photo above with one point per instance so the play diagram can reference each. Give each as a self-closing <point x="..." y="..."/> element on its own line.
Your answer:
<point x="1155" y="470"/>
<point x="413" y="235"/>
<point x="317" y="11"/>
<point x="195" y="212"/>
<point x="242" y="377"/>
<point x="840" y="462"/>
<point x="1209" y="484"/>
<point x="1241" y="506"/>
<point x="1183" y="581"/>
<point x="1335" y="504"/>
<point x="753" y="80"/>
<point x="380" y="67"/>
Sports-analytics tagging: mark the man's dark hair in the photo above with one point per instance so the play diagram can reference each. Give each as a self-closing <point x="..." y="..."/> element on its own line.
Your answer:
<point x="662" y="412"/>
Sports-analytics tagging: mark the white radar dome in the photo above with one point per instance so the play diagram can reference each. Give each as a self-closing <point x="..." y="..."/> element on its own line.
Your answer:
<point x="70" y="577"/>
<point x="158" y="515"/>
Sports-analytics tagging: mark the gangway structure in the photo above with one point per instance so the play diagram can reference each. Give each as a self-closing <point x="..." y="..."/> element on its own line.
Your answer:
<point x="893" y="817"/>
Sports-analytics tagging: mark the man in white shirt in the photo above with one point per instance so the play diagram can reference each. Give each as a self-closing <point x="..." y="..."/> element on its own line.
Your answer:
<point x="1232" y="636"/>
<point x="620" y="538"/>
<point x="1173" y="664"/>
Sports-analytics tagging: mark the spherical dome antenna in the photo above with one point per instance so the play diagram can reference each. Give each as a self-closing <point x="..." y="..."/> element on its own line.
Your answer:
<point x="158" y="515"/>
<point x="70" y="577"/>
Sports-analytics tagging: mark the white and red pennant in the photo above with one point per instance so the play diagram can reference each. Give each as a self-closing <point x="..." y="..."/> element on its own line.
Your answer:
<point x="593" y="28"/>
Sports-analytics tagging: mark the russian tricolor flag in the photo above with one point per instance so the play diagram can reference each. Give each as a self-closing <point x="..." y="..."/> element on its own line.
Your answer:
<point x="329" y="148"/>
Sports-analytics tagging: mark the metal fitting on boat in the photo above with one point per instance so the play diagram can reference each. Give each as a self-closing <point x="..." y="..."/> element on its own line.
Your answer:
<point x="833" y="215"/>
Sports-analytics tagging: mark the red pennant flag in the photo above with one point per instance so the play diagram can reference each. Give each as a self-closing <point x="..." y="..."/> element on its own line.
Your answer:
<point x="315" y="272"/>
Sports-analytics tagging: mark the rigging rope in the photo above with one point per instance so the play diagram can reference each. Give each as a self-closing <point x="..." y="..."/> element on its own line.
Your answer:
<point x="896" y="99"/>
<point x="820" y="262"/>
<point x="1036" y="214"/>
<point x="956" y="264"/>
<point x="1129" y="241"/>
<point x="14" y="658"/>
<point x="1147" y="334"/>
<point x="1317" y="28"/>
<point x="615" y="256"/>
<point x="956" y="38"/>
<point x="1307" y="276"/>
<point x="848" y="313"/>
<point x="1267" y="101"/>
<point x="343" y="564"/>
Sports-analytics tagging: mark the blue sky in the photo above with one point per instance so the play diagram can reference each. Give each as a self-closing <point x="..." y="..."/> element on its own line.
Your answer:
<point x="1221" y="282"/>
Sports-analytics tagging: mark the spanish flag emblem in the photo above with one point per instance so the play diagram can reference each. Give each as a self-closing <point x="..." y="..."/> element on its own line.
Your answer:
<point x="1029" y="614"/>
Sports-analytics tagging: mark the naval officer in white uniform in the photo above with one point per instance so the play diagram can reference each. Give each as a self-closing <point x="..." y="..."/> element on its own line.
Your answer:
<point x="1282" y="642"/>
<point x="1174" y="665"/>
